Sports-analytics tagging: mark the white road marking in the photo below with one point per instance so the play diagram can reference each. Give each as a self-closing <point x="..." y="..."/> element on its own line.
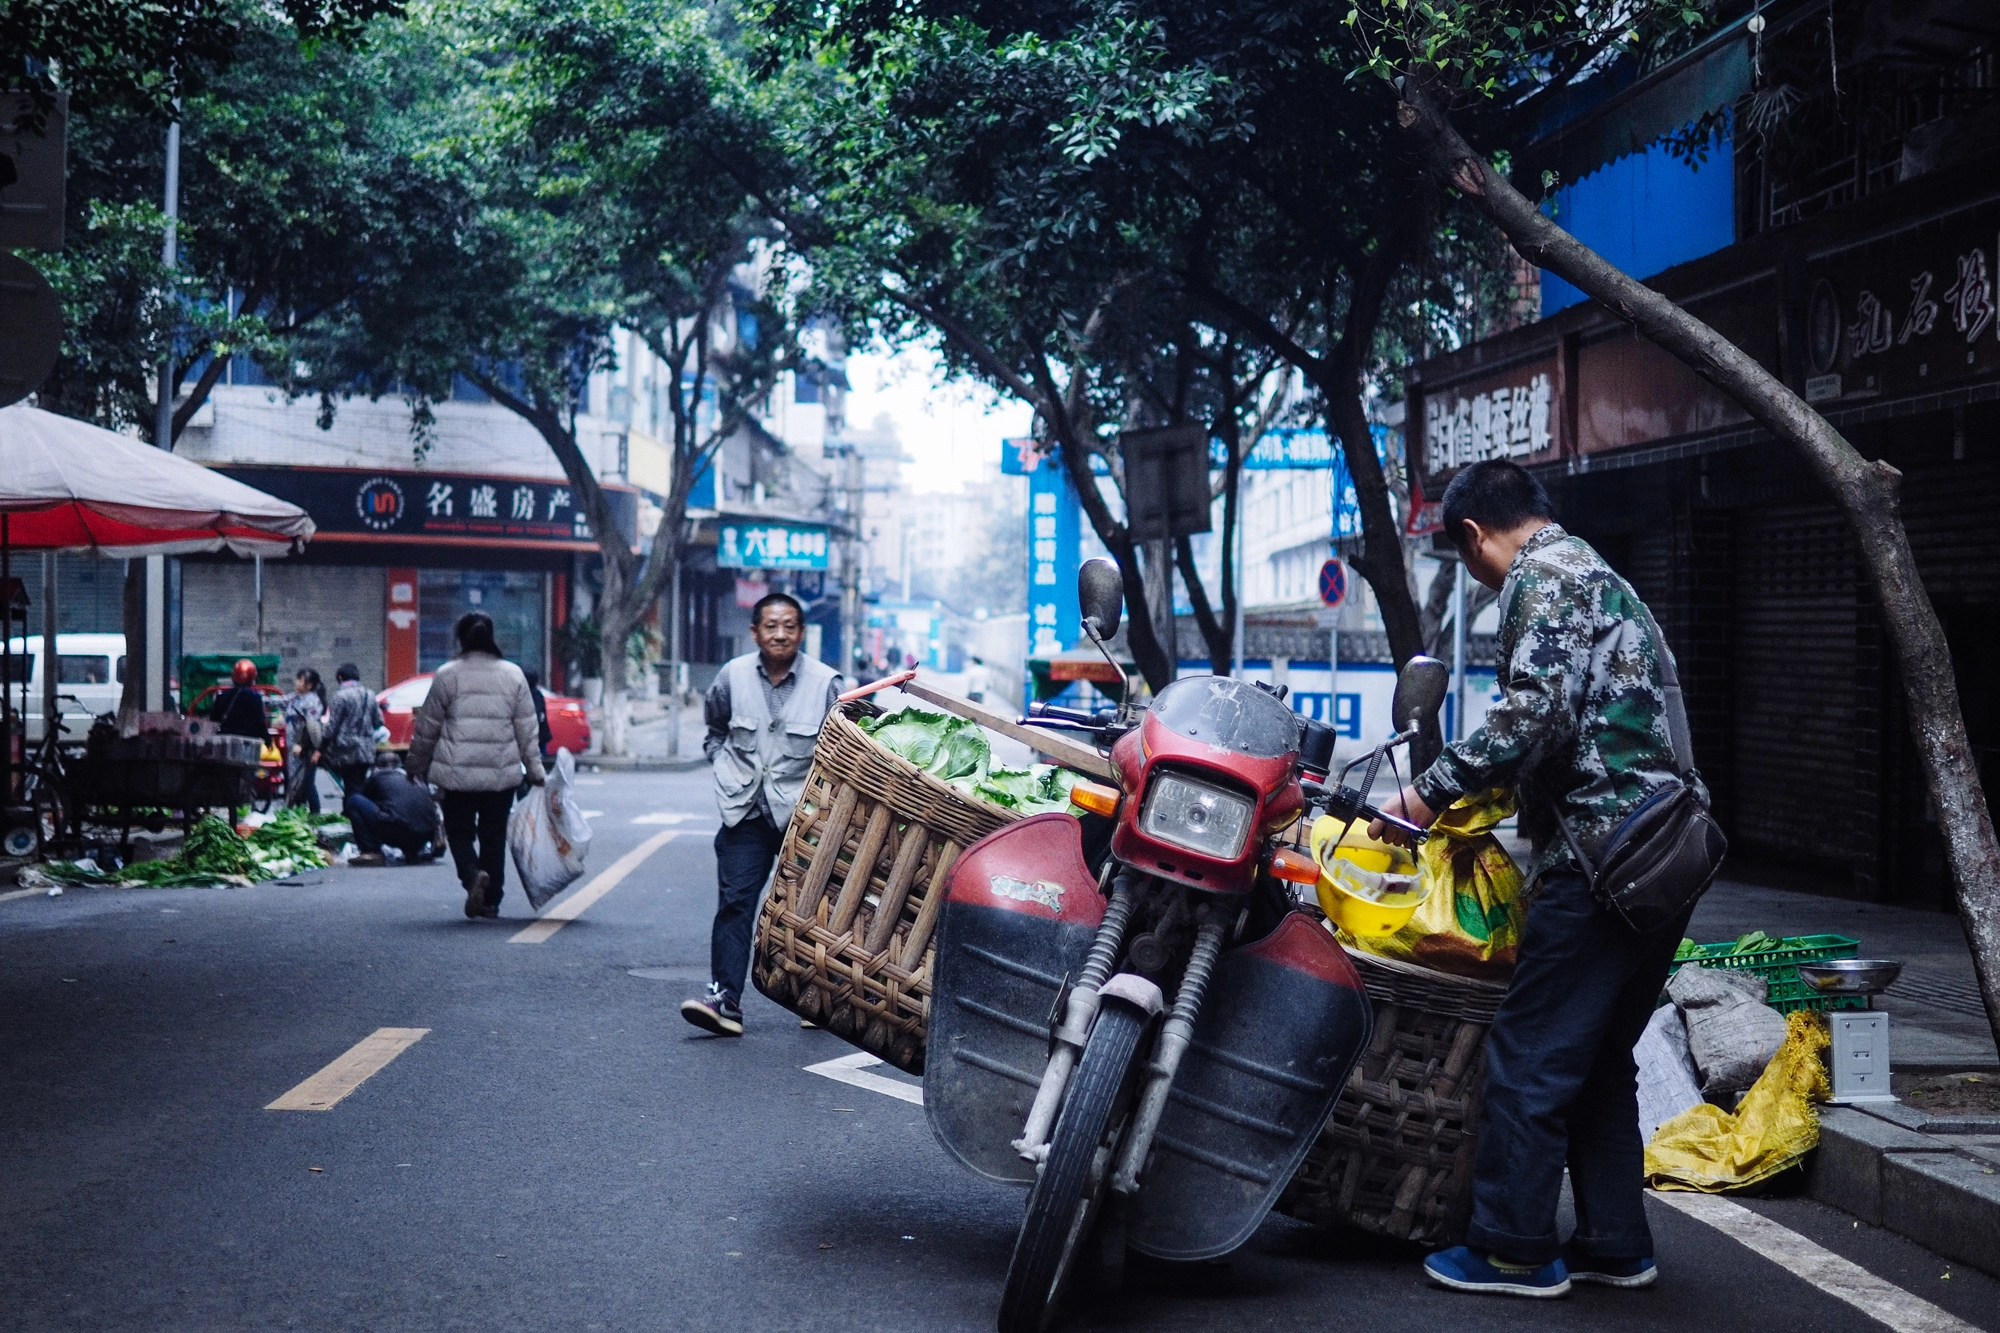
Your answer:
<point x="1848" y="1281"/>
<point x="669" y="817"/>
<point x="573" y="905"/>
<point x="361" y="1062"/>
<point x="853" y="1071"/>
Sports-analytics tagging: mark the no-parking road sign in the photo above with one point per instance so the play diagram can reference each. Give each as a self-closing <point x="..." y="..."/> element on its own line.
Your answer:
<point x="1333" y="583"/>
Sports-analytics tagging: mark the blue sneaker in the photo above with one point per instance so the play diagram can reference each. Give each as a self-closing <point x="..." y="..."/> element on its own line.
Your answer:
<point x="1609" y="1272"/>
<point x="1465" y="1269"/>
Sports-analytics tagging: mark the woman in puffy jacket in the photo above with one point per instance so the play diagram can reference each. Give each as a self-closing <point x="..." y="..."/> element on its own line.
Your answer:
<point x="475" y="737"/>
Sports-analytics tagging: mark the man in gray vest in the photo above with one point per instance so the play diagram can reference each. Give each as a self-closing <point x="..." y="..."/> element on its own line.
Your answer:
<point x="763" y="713"/>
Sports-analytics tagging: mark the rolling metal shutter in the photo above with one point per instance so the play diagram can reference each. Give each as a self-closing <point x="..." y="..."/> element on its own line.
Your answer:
<point x="315" y="616"/>
<point x="1794" y="663"/>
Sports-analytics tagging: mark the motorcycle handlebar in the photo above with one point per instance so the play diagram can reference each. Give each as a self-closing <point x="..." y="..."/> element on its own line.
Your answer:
<point x="1350" y="805"/>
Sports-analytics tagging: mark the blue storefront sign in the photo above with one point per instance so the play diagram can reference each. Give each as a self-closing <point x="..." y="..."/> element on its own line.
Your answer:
<point x="1054" y="547"/>
<point x="765" y="544"/>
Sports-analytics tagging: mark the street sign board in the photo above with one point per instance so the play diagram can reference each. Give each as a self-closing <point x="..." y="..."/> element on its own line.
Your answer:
<point x="1333" y="583"/>
<point x="30" y="328"/>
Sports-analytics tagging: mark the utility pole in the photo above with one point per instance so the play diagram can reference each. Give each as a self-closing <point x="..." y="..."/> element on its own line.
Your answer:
<point x="855" y="480"/>
<point x="154" y="655"/>
<point x="1458" y="646"/>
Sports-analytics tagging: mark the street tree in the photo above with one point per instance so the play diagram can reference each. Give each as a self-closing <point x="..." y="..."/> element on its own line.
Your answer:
<point x="292" y="181"/>
<point x="581" y="144"/>
<point x="1452" y="62"/>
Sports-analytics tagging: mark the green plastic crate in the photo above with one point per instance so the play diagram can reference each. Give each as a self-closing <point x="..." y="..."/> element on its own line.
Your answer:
<point x="1779" y="967"/>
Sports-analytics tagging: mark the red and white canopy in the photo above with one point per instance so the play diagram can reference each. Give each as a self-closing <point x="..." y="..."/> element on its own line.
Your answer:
<point x="66" y="485"/>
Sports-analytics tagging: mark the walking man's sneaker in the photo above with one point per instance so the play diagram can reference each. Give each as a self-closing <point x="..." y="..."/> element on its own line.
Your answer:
<point x="1609" y="1272"/>
<point x="716" y="1011"/>
<point x="475" y="895"/>
<point x="1465" y="1269"/>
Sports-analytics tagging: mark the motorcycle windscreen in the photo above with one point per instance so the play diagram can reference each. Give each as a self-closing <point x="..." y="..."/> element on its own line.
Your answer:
<point x="1281" y="1026"/>
<point x="1019" y="917"/>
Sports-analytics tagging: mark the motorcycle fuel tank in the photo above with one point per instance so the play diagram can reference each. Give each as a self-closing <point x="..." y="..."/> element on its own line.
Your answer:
<point x="1282" y="1024"/>
<point x="1020" y="913"/>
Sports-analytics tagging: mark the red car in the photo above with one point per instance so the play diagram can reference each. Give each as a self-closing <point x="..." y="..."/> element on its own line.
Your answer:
<point x="569" y="728"/>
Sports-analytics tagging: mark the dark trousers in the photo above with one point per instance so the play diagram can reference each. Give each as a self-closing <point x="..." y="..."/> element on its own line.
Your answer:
<point x="1561" y="1084"/>
<point x="373" y="827"/>
<point x="481" y="817"/>
<point x="744" y="855"/>
<point x="352" y="778"/>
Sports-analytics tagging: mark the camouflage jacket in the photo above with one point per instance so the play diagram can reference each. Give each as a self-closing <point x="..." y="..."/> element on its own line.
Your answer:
<point x="1581" y="720"/>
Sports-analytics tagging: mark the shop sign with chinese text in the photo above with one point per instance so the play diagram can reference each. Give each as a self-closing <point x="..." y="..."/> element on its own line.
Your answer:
<point x="1507" y="415"/>
<point x="438" y="507"/>
<point x="742" y="543"/>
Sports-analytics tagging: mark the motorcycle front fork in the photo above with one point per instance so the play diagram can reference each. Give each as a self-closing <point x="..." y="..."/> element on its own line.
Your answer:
<point x="1176" y="1034"/>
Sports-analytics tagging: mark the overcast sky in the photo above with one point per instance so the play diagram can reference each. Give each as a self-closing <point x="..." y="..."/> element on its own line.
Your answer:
<point x="950" y="429"/>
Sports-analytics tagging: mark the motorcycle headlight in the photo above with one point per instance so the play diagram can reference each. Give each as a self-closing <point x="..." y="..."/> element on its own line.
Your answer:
<point x="1214" y="821"/>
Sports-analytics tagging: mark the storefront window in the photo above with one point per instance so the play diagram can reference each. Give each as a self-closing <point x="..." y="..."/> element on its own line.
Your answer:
<point x="515" y="600"/>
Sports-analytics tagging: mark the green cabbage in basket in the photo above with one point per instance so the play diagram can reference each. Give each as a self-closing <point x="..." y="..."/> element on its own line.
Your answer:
<point x="955" y="749"/>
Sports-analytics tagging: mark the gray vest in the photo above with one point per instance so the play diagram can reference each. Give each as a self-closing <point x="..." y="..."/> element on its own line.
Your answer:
<point x="763" y="751"/>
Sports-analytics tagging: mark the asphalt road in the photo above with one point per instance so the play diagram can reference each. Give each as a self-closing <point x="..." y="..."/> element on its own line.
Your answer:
<point x="560" y="1151"/>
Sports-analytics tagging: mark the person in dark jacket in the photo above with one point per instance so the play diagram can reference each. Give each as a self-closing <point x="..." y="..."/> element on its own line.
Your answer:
<point x="542" y="728"/>
<point x="392" y="809"/>
<point x="239" y="710"/>
<point x="352" y="719"/>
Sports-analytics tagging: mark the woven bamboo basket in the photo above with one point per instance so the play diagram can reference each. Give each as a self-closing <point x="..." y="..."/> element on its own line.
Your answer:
<point x="1395" y="1158"/>
<point x="845" y="937"/>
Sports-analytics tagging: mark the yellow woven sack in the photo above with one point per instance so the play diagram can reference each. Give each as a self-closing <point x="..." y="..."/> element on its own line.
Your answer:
<point x="1470" y="925"/>
<point x="1707" y="1149"/>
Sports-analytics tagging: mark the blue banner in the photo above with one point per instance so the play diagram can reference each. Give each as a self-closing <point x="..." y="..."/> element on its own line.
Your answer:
<point x="765" y="544"/>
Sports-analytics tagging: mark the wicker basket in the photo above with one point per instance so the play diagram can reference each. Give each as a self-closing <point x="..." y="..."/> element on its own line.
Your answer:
<point x="1395" y="1158"/>
<point x="851" y="950"/>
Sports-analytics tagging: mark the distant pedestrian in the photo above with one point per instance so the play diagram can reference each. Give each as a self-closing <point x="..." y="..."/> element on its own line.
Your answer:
<point x="475" y="738"/>
<point x="978" y="680"/>
<point x="1583" y="732"/>
<point x="305" y="732"/>
<point x="239" y="710"/>
<point x="352" y="718"/>
<point x="393" y="810"/>
<point x="542" y="728"/>
<point x="763" y="714"/>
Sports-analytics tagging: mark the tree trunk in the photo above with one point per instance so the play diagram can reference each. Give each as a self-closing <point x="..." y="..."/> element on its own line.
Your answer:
<point x="1868" y="493"/>
<point x="617" y="707"/>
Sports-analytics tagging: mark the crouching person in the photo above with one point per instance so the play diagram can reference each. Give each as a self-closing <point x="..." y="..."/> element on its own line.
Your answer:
<point x="391" y="810"/>
<point x="763" y="713"/>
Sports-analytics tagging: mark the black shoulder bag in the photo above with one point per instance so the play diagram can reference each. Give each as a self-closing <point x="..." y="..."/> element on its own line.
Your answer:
<point x="1665" y="854"/>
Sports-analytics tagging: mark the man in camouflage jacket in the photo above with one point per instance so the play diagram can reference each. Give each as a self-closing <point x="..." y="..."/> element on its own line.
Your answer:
<point x="1580" y="727"/>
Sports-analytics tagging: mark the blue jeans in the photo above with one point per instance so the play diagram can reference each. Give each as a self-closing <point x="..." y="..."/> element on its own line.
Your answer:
<point x="744" y="855"/>
<point x="1561" y="1084"/>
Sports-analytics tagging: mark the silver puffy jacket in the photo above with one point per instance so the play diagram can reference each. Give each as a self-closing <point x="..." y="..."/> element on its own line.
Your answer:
<point x="476" y="731"/>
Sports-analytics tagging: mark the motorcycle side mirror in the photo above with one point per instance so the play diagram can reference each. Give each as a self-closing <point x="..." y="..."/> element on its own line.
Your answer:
<point x="1100" y="596"/>
<point x="1420" y="688"/>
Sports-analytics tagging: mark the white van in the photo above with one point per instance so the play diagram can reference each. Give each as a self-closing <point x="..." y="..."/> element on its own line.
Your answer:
<point x="89" y="666"/>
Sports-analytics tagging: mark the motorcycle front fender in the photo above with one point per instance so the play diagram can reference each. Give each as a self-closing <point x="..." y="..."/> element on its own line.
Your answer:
<point x="1282" y="1023"/>
<point x="1021" y="909"/>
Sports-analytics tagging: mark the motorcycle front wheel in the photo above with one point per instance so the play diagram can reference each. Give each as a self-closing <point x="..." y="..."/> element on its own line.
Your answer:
<point x="1064" y="1200"/>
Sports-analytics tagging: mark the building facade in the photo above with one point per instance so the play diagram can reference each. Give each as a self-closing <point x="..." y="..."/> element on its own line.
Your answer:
<point x="1858" y="268"/>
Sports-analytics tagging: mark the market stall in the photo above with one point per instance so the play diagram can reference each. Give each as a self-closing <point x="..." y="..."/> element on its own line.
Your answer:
<point x="66" y="485"/>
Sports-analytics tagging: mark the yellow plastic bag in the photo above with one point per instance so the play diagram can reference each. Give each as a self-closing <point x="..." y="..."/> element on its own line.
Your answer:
<point x="1708" y="1149"/>
<point x="1470" y="924"/>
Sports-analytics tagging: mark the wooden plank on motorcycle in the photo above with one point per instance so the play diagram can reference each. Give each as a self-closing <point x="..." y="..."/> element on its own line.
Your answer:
<point x="1058" y="749"/>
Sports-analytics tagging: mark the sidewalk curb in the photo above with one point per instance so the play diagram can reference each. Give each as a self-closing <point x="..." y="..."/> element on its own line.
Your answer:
<point x="625" y="763"/>
<point x="1876" y="1165"/>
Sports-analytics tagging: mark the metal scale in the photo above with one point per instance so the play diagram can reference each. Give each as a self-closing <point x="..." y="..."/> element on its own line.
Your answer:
<point x="1860" y="1054"/>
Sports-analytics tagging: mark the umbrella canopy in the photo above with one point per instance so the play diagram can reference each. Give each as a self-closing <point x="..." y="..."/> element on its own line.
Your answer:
<point x="67" y="485"/>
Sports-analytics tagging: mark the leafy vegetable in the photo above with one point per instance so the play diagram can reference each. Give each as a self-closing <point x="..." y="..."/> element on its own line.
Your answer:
<point x="956" y="750"/>
<point x="212" y="854"/>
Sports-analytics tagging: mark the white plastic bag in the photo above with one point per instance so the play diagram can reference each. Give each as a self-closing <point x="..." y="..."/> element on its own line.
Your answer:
<point x="548" y="834"/>
<point x="1667" y="1084"/>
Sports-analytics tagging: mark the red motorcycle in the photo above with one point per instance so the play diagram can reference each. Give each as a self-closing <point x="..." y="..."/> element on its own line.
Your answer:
<point x="1140" y="1027"/>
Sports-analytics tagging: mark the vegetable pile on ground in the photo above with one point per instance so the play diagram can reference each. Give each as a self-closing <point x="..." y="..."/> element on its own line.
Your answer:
<point x="955" y="750"/>
<point x="212" y="854"/>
